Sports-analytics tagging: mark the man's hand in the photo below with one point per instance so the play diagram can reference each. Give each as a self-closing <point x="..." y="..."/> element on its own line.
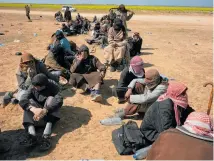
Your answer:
<point x="41" y="115"/>
<point x="37" y="112"/>
<point x="139" y="88"/>
<point x="128" y="93"/>
<point x="80" y="57"/>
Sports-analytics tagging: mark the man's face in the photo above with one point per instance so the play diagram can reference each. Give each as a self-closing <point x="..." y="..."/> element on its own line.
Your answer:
<point x="84" y="54"/>
<point x="135" y="37"/>
<point x="39" y="88"/>
<point x="30" y="64"/>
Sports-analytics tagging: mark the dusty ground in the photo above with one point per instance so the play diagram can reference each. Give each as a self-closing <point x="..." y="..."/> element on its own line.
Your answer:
<point x="178" y="46"/>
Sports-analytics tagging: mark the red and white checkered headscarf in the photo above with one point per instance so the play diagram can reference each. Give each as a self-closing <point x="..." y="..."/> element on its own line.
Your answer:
<point x="199" y="123"/>
<point x="176" y="91"/>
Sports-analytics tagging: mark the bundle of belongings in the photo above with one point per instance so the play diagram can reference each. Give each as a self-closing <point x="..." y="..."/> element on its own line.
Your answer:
<point x="59" y="17"/>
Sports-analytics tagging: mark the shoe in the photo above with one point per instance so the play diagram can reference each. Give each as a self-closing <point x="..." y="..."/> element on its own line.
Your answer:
<point x="112" y="69"/>
<point x="120" y="112"/>
<point x="97" y="98"/>
<point x="45" y="143"/>
<point x="29" y="141"/>
<point x="7" y="99"/>
<point x="120" y="68"/>
<point x="14" y="101"/>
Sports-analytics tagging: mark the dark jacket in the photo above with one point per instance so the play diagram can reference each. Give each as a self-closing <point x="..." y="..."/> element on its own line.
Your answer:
<point x="91" y="64"/>
<point x="52" y="89"/>
<point x="136" y="47"/>
<point x="159" y="117"/>
<point x="67" y="15"/>
<point x="126" y="77"/>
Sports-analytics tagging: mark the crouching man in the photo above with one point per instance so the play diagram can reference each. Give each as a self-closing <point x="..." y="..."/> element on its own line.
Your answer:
<point x="87" y="73"/>
<point x="41" y="104"/>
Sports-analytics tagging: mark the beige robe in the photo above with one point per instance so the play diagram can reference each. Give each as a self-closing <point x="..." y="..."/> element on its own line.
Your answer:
<point x="116" y="54"/>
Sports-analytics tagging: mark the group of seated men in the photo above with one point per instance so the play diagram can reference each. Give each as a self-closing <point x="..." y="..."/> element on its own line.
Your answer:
<point x="39" y="83"/>
<point x="73" y="27"/>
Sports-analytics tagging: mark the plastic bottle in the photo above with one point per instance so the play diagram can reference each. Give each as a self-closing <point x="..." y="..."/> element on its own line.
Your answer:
<point x="142" y="153"/>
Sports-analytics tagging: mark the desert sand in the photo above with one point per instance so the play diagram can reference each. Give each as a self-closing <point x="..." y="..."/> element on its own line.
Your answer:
<point x="179" y="46"/>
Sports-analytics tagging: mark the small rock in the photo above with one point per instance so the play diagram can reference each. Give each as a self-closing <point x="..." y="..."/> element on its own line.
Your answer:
<point x="169" y="42"/>
<point x="196" y="44"/>
<point x="18" y="53"/>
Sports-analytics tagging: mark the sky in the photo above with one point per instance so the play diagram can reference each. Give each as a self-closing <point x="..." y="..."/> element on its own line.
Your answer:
<point x="201" y="3"/>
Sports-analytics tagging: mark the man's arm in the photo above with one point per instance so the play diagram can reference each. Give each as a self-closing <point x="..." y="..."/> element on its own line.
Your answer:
<point x="45" y="71"/>
<point x="134" y="81"/>
<point x="76" y="66"/>
<point x="24" y="101"/>
<point x="148" y="97"/>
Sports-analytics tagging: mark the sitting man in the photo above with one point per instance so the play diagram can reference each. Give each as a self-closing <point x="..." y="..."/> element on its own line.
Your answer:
<point x="59" y="17"/>
<point x="134" y="71"/>
<point x="117" y="54"/>
<point x="87" y="73"/>
<point x="66" y="30"/>
<point x="28" y="68"/>
<point x="41" y="104"/>
<point x="136" y="42"/>
<point x="59" y="62"/>
<point x="100" y="37"/>
<point x="148" y="89"/>
<point x="85" y="26"/>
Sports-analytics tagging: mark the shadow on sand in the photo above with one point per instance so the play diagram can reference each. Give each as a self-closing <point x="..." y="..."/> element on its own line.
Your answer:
<point x="73" y="118"/>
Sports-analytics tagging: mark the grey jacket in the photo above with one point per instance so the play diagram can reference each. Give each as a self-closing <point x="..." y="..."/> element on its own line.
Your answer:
<point x="24" y="81"/>
<point x="149" y="96"/>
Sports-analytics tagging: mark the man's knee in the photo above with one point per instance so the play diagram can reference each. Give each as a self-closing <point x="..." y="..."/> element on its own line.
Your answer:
<point x="53" y="102"/>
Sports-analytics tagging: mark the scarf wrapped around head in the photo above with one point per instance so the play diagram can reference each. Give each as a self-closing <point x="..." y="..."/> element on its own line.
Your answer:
<point x="152" y="78"/>
<point x="118" y="24"/>
<point x="136" y="66"/>
<point x="176" y="91"/>
<point x="26" y="57"/>
<point x="199" y="123"/>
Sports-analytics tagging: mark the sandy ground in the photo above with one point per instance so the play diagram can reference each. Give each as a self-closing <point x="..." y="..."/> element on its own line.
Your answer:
<point x="180" y="47"/>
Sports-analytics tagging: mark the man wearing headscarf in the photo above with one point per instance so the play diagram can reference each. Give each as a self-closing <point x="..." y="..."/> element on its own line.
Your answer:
<point x="134" y="71"/>
<point x="87" y="73"/>
<point x="59" y="62"/>
<point x="28" y="68"/>
<point x="41" y="103"/>
<point x="153" y="86"/>
<point x="63" y="40"/>
<point x="124" y="14"/>
<point x="117" y="54"/>
<point x="170" y="109"/>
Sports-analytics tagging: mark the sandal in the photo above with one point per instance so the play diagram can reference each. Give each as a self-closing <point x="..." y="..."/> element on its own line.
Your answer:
<point x="45" y="143"/>
<point x="29" y="141"/>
